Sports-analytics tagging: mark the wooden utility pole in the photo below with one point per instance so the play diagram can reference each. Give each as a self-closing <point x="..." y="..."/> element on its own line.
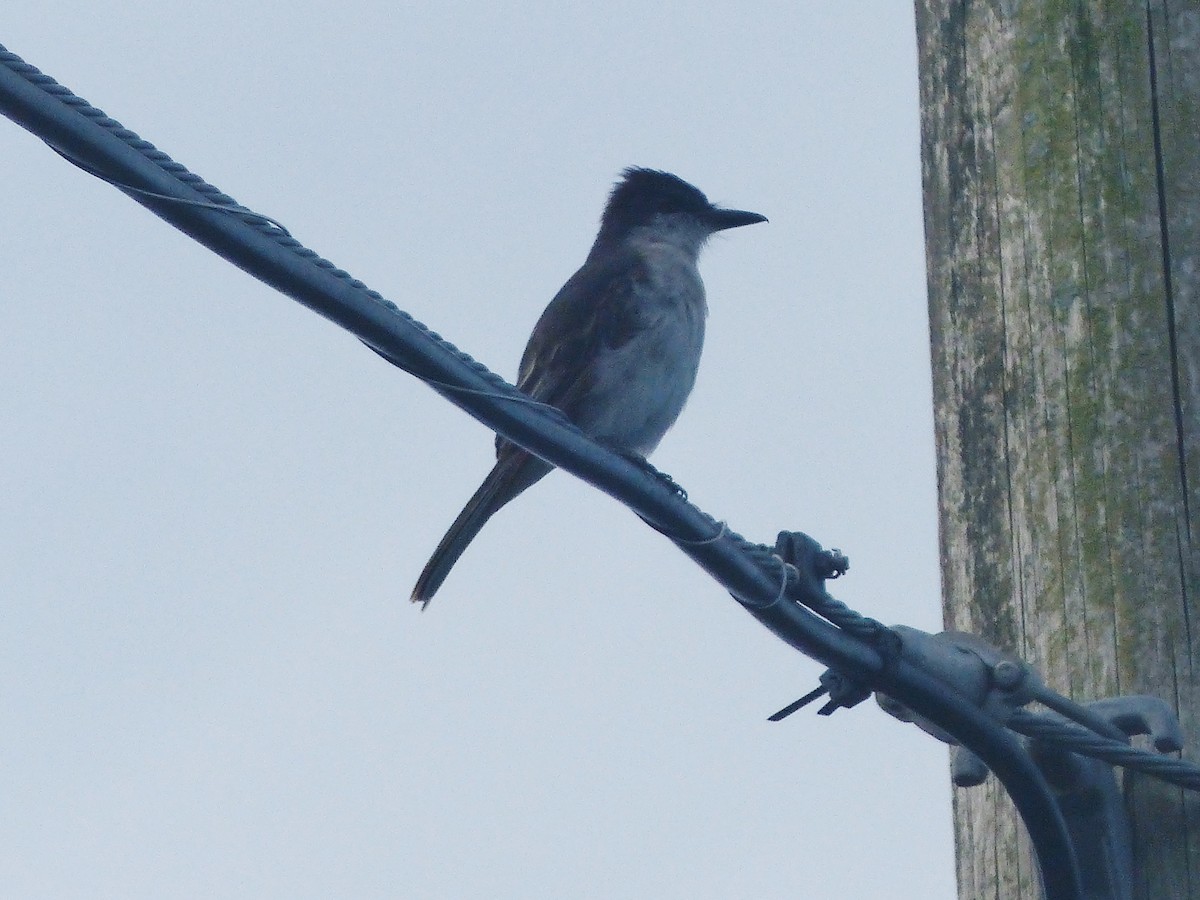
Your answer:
<point x="1061" y="164"/>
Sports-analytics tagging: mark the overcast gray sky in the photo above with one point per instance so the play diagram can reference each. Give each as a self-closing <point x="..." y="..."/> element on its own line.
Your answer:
<point x="215" y="503"/>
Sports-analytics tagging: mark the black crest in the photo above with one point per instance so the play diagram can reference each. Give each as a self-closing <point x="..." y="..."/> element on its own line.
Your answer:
<point x="641" y="194"/>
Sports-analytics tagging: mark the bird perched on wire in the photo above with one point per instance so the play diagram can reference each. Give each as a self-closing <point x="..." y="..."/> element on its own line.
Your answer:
<point x="617" y="348"/>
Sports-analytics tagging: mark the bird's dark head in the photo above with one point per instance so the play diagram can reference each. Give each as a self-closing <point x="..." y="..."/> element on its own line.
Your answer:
<point x="651" y="199"/>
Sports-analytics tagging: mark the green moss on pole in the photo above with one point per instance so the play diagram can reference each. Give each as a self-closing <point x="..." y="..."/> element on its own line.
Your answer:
<point x="1061" y="166"/>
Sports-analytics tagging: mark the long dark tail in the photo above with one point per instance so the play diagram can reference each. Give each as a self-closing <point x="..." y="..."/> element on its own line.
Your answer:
<point x="514" y="472"/>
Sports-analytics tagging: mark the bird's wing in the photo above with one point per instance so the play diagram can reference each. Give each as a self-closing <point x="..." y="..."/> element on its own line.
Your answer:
<point x="594" y="312"/>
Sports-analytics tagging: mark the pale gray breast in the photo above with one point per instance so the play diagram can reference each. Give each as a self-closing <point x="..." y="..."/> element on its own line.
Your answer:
<point x="642" y="386"/>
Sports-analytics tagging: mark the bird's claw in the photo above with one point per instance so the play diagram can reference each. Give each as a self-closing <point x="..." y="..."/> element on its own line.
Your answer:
<point x="644" y="464"/>
<point x="671" y="483"/>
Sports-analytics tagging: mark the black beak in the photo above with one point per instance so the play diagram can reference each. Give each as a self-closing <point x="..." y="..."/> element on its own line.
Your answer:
<point x="720" y="219"/>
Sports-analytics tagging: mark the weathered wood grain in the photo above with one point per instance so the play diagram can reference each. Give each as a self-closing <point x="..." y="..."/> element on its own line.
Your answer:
<point x="1062" y="216"/>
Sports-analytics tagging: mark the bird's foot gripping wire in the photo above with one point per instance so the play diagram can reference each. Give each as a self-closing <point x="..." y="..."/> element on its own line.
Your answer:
<point x="644" y="464"/>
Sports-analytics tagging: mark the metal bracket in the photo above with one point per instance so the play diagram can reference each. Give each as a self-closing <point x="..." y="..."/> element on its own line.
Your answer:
<point x="1086" y="789"/>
